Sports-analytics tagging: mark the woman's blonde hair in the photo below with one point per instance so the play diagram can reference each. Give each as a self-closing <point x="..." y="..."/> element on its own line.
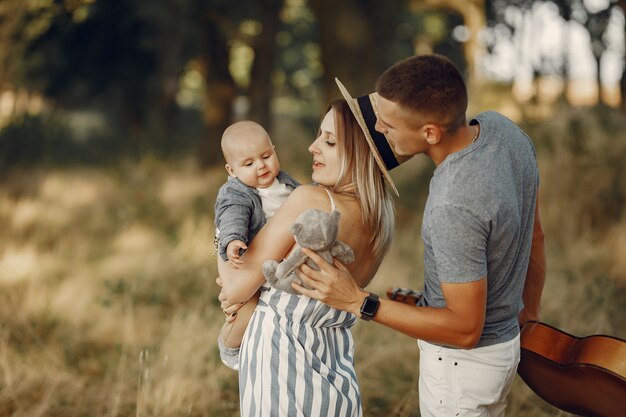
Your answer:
<point x="359" y="175"/>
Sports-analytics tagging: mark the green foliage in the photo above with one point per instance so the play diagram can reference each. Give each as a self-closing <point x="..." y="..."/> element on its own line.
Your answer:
<point x="298" y="69"/>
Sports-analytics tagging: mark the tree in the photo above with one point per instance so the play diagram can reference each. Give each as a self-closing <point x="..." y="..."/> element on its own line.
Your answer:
<point x="217" y="24"/>
<point x="622" y="5"/>
<point x="264" y="46"/>
<point x="355" y="40"/>
<point x="77" y="59"/>
<point x="13" y="42"/>
<point x="596" y="24"/>
<point x="220" y="91"/>
<point x="474" y="17"/>
<point x="565" y="11"/>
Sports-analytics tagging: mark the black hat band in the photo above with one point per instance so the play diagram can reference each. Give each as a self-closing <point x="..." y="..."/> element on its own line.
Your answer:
<point x="379" y="139"/>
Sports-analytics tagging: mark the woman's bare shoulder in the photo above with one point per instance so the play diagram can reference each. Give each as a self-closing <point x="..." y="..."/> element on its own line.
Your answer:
<point x="308" y="189"/>
<point x="301" y="199"/>
<point x="308" y="196"/>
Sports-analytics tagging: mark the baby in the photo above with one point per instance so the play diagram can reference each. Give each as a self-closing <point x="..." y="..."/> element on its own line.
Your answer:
<point x="253" y="193"/>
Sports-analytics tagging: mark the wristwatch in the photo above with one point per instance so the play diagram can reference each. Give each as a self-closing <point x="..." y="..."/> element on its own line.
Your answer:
<point x="369" y="307"/>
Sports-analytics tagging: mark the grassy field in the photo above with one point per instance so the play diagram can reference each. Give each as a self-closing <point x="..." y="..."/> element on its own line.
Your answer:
<point x="108" y="305"/>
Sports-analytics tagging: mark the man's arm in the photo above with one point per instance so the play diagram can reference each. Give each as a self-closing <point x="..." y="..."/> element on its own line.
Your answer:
<point x="459" y="324"/>
<point x="536" y="274"/>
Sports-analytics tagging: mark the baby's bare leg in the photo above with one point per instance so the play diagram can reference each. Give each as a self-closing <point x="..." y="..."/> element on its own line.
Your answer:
<point x="231" y="334"/>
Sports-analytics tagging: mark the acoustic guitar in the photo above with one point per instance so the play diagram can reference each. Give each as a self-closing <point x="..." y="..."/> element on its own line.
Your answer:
<point x="580" y="375"/>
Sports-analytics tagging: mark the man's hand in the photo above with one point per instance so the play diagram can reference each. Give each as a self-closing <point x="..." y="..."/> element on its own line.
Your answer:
<point x="230" y="310"/>
<point x="332" y="284"/>
<point x="525" y="315"/>
<point x="232" y="253"/>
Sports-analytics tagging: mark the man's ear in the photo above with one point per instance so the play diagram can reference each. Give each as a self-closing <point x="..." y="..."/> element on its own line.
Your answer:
<point x="432" y="134"/>
<point x="230" y="171"/>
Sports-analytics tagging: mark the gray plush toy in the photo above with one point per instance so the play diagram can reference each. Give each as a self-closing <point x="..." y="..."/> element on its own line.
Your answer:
<point x="316" y="230"/>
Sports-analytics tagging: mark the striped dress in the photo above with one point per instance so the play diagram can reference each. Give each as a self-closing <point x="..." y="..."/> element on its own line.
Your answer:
<point x="297" y="359"/>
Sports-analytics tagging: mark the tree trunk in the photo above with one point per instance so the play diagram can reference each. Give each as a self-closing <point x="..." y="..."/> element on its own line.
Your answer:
<point x="622" y="90"/>
<point x="354" y="38"/>
<point x="474" y="17"/>
<point x="565" y="70"/>
<point x="599" y="99"/>
<point x="219" y="94"/>
<point x="261" y="88"/>
<point x="565" y="11"/>
<point x="622" y="84"/>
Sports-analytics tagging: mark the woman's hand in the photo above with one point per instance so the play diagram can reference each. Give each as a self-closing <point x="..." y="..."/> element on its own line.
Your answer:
<point x="230" y="310"/>
<point x="332" y="284"/>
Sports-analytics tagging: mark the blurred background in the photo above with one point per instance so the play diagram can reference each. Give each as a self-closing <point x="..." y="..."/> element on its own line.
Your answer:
<point x="111" y="113"/>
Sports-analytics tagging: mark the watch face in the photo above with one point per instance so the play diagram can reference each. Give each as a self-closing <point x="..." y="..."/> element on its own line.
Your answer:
<point x="369" y="306"/>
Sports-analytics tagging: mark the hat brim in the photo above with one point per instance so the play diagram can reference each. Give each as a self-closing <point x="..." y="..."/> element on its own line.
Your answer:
<point x="358" y="114"/>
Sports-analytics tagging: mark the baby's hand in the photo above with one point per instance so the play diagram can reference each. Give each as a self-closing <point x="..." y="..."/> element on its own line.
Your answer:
<point x="232" y="252"/>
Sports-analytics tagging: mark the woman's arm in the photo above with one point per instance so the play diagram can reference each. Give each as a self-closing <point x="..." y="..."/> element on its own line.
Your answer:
<point x="273" y="242"/>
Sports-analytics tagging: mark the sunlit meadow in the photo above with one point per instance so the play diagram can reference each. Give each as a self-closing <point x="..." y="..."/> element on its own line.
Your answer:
<point x="108" y="301"/>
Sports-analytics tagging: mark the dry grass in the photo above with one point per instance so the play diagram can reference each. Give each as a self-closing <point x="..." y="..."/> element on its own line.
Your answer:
<point x="108" y="302"/>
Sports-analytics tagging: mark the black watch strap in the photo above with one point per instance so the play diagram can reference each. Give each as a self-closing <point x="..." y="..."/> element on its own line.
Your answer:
<point x="369" y="307"/>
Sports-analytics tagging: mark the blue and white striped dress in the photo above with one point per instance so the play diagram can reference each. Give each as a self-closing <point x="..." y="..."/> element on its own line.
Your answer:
<point x="297" y="359"/>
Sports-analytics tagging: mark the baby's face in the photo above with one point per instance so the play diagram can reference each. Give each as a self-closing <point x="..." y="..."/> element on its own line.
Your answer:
<point x="254" y="161"/>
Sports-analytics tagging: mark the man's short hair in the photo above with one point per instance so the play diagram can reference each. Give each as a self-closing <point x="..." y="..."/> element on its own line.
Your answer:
<point x="428" y="85"/>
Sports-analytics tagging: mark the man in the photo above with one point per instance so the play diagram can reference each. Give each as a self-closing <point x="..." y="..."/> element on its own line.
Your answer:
<point x="484" y="257"/>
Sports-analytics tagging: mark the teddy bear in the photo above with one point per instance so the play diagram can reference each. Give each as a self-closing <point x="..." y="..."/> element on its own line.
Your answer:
<point x="313" y="229"/>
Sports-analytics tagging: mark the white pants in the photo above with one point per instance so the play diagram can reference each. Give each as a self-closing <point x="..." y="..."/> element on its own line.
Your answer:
<point x="466" y="383"/>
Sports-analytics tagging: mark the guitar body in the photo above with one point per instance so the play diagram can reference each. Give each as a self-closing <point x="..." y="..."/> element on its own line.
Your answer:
<point x="585" y="376"/>
<point x="580" y="375"/>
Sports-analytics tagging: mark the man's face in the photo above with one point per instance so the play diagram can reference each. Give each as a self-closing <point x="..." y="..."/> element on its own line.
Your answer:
<point x="394" y="122"/>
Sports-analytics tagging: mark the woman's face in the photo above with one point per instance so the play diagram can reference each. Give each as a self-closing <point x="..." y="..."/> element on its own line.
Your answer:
<point x="325" y="150"/>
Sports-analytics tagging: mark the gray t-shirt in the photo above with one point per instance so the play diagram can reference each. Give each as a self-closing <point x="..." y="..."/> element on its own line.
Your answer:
<point x="478" y="221"/>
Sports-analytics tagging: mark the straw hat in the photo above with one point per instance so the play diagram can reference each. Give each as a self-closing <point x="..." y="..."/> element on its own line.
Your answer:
<point x="365" y="111"/>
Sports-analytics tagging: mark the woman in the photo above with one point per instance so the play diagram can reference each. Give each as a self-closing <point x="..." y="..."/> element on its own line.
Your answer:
<point x="297" y="353"/>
